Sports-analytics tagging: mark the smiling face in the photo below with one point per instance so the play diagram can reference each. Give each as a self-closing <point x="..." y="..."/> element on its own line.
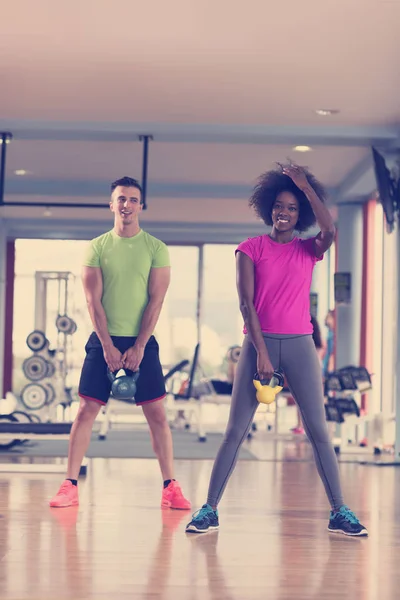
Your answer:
<point x="285" y="212"/>
<point x="126" y="204"/>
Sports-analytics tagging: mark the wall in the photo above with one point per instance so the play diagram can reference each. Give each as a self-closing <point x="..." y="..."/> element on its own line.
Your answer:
<point x="3" y="253"/>
<point x="348" y="322"/>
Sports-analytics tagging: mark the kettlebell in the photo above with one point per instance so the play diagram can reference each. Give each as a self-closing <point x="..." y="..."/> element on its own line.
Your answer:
<point x="267" y="390"/>
<point x="123" y="387"/>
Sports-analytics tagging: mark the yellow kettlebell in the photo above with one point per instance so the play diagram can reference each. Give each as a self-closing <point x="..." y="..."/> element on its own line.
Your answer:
<point x="267" y="390"/>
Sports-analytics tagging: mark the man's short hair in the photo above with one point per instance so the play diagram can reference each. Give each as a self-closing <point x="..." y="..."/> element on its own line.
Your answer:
<point x="126" y="182"/>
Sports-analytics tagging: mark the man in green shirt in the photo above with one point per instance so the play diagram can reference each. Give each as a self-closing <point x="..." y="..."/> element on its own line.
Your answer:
<point x="126" y="274"/>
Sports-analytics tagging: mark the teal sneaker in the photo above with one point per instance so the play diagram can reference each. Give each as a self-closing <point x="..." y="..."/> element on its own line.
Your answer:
<point x="345" y="521"/>
<point x="204" y="520"/>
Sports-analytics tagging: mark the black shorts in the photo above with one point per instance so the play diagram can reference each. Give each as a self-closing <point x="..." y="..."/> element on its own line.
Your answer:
<point x="95" y="385"/>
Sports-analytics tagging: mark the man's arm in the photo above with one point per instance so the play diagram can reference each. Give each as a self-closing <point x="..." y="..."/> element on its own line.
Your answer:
<point x="93" y="287"/>
<point x="158" y="286"/>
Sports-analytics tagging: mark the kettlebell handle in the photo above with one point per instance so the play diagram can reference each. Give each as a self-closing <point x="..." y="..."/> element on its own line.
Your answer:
<point x="262" y="381"/>
<point x="113" y="375"/>
<point x="277" y="375"/>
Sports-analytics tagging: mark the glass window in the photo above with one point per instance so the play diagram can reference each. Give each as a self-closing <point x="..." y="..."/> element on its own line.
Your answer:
<point x="48" y="255"/>
<point x="321" y="286"/>
<point x="176" y="330"/>
<point x="222" y="323"/>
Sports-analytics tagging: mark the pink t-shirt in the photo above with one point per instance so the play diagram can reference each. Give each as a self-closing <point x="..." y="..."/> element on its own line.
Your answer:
<point x="282" y="282"/>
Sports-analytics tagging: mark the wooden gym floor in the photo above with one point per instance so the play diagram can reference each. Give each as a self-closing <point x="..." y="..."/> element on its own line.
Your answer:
<point x="272" y="543"/>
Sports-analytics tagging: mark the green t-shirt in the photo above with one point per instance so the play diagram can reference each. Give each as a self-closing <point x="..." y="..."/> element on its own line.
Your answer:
<point x="125" y="265"/>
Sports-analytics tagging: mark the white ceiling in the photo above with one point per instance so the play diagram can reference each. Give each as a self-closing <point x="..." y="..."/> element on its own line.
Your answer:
<point x="201" y="61"/>
<point x="258" y="68"/>
<point x="171" y="162"/>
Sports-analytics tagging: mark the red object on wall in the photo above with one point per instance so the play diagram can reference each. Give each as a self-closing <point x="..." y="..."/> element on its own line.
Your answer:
<point x="8" y="318"/>
<point x="367" y="291"/>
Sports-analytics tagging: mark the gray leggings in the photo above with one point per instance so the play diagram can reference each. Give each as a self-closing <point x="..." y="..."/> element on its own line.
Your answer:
<point x="298" y="358"/>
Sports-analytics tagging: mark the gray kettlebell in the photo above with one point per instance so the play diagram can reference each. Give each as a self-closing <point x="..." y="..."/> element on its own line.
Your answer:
<point x="123" y="387"/>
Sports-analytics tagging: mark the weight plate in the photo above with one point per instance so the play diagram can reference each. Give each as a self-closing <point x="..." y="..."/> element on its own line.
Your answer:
<point x="35" y="418"/>
<point x="74" y="327"/>
<point x="34" y="396"/>
<point x="51" y="394"/>
<point x="234" y="353"/>
<point x="6" y="444"/>
<point x="51" y="369"/>
<point x="35" y="368"/>
<point x="36" y="341"/>
<point x="63" y="324"/>
<point x="22" y="416"/>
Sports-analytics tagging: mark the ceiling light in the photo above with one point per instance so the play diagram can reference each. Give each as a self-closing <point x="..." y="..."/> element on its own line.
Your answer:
<point x="302" y="148"/>
<point x="21" y="172"/>
<point x="327" y="112"/>
<point x="47" y="212"/>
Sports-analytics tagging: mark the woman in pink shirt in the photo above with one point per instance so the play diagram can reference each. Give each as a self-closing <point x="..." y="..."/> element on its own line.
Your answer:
<point x="274" y="273"/>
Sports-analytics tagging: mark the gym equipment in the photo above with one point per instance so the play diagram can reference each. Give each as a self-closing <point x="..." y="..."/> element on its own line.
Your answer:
<point x="11" y="426"/>
<point x="36" y="341"/>
<point x="333" y="412"/>
<point x="267" y="390"/>
<point x="7" y="442"/>
<point x="115" y="408"/>
<point x="53" y="429"/>
<point x="17" y="416"/>
<point x="347" y="379"/>
<point x="343" y="390"/>
<point x="35" y="368"/>
<point x="234" y="353"/>
<point x="232" y="359"/>
<point x="22" y="416"/>
<point x="51" y="369"/>
<point x="34" y="396"/>
<point x="360" y="376"/>
<point x="35" y="418"/>
<point x="348" y="406"/>
<point x="175" y="369"/>
<point x="186" y="401"/>
<point x="56" y="322"/>
<point x="51" y="393"/>
<point x="337" y="408"/>
<point x="38" y="367"/>
<point x="65" y="324"/>
<point x="123" y="387"/>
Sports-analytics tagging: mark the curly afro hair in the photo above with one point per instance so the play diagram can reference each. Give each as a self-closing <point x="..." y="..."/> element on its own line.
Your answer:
<point x="271" y="184"/>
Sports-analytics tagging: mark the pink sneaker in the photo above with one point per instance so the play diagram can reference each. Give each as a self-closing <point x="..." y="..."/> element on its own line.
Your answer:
<point x="172" y="497"/>
<point x="67" y="495"/>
